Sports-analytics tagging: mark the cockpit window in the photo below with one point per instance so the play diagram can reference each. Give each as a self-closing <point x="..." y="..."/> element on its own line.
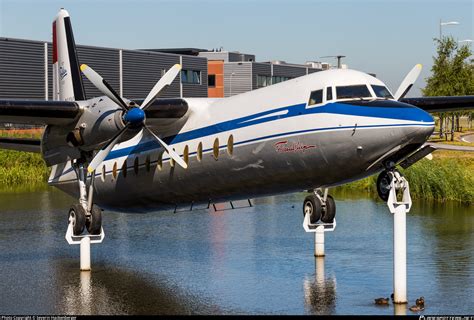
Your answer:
<point x="382" y="92"/>
<point x="316" y="97"/>
<point x="328" y="93"/>
<point x="357" y="91"/>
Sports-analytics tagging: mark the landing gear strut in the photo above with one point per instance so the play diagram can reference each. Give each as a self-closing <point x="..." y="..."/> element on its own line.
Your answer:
<point x="84" y="215"/>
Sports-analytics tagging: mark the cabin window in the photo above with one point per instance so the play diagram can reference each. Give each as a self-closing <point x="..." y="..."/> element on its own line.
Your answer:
<point x="328" y="93"/>
<point x="171" y="160"/>
<point x="114" y="170"/>
<point x="215" y="149"/>
<point x="135" y="165"/>
<point x="103" y="173"/>
<point x="316" y="97"/>
<point x="159" y="162"/>
<point x="230" y="145"/>
<point x="147" y="163"/>
<point x="382" y="92"/>
<point x="124" y="169"/>
<point x="350" y="92"/>
<point x="186" y="154"/>
<point x="199" y="152"/>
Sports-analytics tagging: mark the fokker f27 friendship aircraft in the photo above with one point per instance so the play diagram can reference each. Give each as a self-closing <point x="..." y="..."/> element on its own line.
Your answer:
<point x="316" y="131"/>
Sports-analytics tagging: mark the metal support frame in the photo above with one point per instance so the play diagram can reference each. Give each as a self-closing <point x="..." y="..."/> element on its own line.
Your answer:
<point x="399" y="210"/>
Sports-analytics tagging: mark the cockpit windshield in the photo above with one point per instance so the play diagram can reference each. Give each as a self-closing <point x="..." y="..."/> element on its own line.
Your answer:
<point x="382" y="92"/>
<point x="351" y="92"/>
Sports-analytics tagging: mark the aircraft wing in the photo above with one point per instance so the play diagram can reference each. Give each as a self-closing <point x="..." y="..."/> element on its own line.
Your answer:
<point x="39" y="112"/>
<point x="21" y="144"/>
<point x="442" y="104"/>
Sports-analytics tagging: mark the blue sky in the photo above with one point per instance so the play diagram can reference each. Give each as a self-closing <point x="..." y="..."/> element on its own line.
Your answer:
<point x="386" y="37"/>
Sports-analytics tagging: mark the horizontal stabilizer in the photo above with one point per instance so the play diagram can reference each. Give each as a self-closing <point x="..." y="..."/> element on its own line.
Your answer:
<point x="21" y="144"/>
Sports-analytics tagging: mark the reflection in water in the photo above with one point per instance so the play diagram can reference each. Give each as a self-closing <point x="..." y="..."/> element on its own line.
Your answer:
<point x="320" y="293"/>
<point x="109" y="290"/>
<point x="400" y="309"/>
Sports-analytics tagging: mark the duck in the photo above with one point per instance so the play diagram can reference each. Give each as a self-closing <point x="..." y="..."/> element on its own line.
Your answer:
<point x="382" y="301"/>
<point x="420" y="302"/>
<point x="416" y="308"/>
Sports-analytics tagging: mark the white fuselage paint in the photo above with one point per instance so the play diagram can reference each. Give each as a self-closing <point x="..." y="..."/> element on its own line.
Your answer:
<point x="253" y="119"/>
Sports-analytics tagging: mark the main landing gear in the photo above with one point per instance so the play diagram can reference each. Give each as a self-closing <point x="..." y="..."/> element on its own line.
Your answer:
<point x="319" y="207"/>
<point x="84" y="215"/>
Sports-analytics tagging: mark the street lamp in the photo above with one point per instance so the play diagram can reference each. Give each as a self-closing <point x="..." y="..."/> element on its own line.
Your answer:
<point x="441" y="24"/>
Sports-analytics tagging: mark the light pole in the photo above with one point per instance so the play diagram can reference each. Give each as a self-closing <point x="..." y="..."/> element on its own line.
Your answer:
<point x="441" y="24"/>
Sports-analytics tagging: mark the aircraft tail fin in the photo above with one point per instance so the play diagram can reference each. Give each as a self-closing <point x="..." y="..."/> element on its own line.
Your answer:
<point x="67" y="79"/>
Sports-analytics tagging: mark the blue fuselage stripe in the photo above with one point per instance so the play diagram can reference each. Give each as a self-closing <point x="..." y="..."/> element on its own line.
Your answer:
<point x="410" y="114"/>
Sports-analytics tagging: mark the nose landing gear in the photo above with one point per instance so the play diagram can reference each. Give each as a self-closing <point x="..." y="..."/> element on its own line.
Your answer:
<point x="319" y="207"/>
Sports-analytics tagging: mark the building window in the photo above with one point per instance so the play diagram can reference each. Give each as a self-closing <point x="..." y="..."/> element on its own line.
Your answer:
<point x="215" y="149"/>
<point x="191" y="76"/>
<point x="263" y="81"/>
<point x="316" y="97"/>
<point x="211" y="80"/>
<point x="277" y="79"/>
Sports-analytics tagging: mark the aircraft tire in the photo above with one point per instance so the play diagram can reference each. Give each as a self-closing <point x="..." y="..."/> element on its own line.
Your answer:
<point x="383" y="185"/>
<point x="330" y="212"/>
<point x="78" y="215"/>
<point x="312" y="206"/>
<point x="94" y="222"/>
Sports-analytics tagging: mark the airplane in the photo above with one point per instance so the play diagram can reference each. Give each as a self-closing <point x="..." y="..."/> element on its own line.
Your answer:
<point x="309" y="133"/>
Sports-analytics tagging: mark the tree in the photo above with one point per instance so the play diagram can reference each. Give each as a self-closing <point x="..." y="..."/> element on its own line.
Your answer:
<point x="452" y="74"/>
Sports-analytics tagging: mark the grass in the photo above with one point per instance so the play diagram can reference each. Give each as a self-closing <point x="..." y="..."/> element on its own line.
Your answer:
<point x="22" y="170"/>
<point x="449" y="176"/>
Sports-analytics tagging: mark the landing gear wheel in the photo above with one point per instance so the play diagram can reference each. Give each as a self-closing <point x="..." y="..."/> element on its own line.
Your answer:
<point x="94" y="221"/>
<point x="312" y="206"/>
<point x="383" y="184"/>
<point x="330" y="212"/>
<point x="77" y="215"/>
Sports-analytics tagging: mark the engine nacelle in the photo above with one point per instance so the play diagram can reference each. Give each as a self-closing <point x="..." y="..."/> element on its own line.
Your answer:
<point x="100" y="121"/>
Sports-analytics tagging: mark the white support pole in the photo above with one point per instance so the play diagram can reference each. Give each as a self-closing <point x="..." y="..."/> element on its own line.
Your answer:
<point x="319" y="242"/>
<point x="399" y="210"/>
<point x="86" y="254"/>
<point x="121" y="72"/>
<point x="399" y="255"/>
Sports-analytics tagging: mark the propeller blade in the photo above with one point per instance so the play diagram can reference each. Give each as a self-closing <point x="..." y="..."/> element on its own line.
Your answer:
<point x="104" y="152"/>
<point x="102" y="85"/>
<point x="166" y="80"/>
<point x="408" y="82"/>
<point x="170" y="151"/>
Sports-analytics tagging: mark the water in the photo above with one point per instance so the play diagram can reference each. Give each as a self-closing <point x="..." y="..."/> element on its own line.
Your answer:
<point x="255" y="260"/>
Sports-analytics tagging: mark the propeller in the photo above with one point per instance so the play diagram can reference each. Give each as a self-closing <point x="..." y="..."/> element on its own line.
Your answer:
<point x="408" y="82"/>
<point x="133" y="116"/>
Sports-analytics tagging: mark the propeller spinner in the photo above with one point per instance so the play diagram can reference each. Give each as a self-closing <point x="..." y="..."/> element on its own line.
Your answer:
<point x="133" y="116"/>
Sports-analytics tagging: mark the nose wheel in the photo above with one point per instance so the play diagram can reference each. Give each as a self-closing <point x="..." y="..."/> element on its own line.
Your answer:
<point x="319" y="207"/>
